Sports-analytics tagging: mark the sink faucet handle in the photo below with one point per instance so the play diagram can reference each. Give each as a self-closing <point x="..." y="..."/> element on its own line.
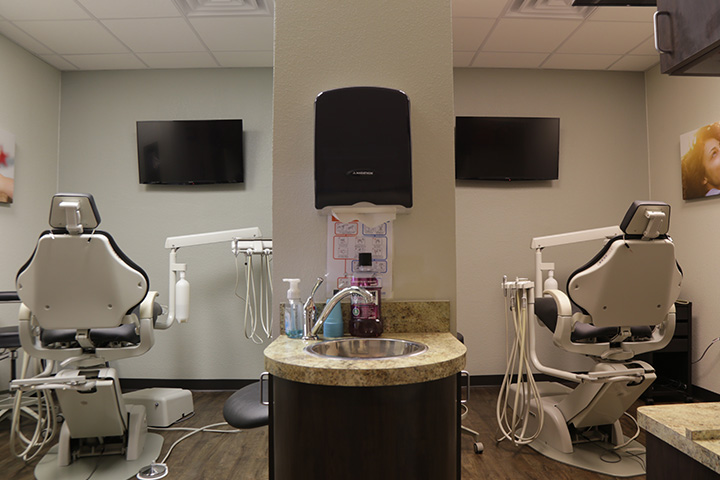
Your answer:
<point x="317" y="285"/>
<point x="309" y="311"/>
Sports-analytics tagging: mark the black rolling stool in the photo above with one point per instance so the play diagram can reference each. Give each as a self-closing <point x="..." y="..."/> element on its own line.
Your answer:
<point x="244" y="409"/>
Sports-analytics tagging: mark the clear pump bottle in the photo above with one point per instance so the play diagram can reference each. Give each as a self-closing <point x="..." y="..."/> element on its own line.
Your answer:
<point x="365" y="318"/>
<point x="293" y="309"/>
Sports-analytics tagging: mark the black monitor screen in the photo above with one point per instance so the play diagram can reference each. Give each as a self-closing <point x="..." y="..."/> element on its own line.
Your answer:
<point x="190" y="152"/>
<point x="506" y="148"/>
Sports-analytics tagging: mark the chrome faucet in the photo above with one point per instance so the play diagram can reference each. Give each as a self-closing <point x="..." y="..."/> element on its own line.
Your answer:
<point x="311" y="327"/>
<point x="309" y="312"/>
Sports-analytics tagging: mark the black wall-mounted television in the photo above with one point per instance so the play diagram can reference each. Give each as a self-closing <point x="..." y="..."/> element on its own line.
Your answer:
<point x="190" y="152"/>
<point x="506" y="148"/>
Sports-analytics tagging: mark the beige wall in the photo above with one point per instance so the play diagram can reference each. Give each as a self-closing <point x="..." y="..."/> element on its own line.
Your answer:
<point x="98" y="154"/>
<point x="322" y="45"/>
<point x="677" y="106"/>
<point x="603" y="168"/>
<point x="29" y="108"/>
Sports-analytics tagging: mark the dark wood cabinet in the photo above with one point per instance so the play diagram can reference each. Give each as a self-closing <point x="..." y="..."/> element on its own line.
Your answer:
<point x="359" y="433"/>
<point x="687" y="32"/>
<point x="673" y="364"/>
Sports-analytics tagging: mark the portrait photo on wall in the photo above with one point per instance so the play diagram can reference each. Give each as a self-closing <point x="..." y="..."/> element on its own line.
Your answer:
<point x="7" y="166"/>
<point x="700" y="160"/>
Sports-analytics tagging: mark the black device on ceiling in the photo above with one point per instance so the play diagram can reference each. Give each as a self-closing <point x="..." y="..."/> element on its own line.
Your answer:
<point x="190" y="152"/>
<point x="614" y="3"/>
<point x="506" y="148"/>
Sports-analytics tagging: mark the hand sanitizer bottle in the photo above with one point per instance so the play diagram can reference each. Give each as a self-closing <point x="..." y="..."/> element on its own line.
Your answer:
<point x="293" y="310"/>
<point x="365" y="317"/>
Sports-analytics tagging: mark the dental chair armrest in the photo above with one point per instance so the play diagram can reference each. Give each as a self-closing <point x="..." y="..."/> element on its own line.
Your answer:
<point x="9" y="297"/>
<point x="152" y="310"/>
<point x="564" y="307"/>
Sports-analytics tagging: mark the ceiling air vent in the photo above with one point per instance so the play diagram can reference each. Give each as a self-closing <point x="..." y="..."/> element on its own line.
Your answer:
<point x="551" y="9"/>
<point x="216" y="8"/>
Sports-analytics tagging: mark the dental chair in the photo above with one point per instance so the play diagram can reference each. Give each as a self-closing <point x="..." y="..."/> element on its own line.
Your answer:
<point x="617" y="306"/>
<point x="84" y="304"/>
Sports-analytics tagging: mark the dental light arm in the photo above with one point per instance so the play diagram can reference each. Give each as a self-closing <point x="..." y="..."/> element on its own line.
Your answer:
<point x="539" y="243"/>
<point x="243" y="239"/>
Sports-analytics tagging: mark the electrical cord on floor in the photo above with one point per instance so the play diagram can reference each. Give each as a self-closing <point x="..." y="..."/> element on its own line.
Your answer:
<point x="514" y="427"/>
<point x="716" y="339"/>
<point x="157" y="470"/>
<point x="193" y="431"/>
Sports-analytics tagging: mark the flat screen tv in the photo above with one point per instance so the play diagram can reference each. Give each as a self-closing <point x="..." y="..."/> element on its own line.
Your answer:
<point x="190" y="152"/>
<point x="506" y="148"/>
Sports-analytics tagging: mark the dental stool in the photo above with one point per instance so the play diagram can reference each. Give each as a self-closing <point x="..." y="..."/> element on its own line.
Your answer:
<point x="245" y="408"/>
<point x="618" y="305"/>
<point x="84" y="304"/>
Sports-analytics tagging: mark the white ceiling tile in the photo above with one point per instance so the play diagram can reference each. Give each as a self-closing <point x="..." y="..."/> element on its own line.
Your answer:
<point x="74" y="36"/>
<point x="245" y="59"/>
<point x="178" y="60"/>
<point x="646" y="48"/>
<point x="23" y="39"/>
<point x="580" y="62"/>
<point x="623" y="14"/>
<point x="635" y="63"/>
<point x="58" y="62"/>
<point x="156" y="35"/>
<point x="524" y="35"/>
<point x="104" y="9"/>
<point x="509" y="60"/>
<point x="479" y="8"/>
<point x="235" y="33"/>
<point x="118" y="61"/>
<point x="41" y="10"/>
<point x="607" y="37"/>
<point x="469" y="33"/>
<point x="462" y="59"/>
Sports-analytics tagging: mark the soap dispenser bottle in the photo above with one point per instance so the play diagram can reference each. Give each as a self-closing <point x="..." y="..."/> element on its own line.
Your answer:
<point x="293" y="309"/>
<point x="365" y="317"/>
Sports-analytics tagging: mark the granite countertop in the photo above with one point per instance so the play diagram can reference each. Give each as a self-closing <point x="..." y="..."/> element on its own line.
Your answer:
<point x="424" y="322"/>
<point x="445" y="356"/>
<point x="692" y="428"/>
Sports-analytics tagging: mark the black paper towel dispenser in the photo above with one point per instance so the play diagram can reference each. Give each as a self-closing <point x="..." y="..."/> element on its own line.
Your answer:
<point x="362" y="147"/>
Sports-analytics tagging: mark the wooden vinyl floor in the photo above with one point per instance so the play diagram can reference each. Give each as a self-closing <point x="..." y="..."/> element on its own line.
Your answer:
<point x="244" y="455"/>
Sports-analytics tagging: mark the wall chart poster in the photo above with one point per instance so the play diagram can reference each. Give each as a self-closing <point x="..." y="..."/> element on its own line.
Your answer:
<point x="7" y="166"/>
<point x="346" y="241"/>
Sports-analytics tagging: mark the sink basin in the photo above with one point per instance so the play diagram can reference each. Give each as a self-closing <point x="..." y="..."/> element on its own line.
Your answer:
<point x="369" y="348"/>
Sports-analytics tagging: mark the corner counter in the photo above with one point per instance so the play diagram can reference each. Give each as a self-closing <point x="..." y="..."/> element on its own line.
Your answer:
<point x="683" y="439"/>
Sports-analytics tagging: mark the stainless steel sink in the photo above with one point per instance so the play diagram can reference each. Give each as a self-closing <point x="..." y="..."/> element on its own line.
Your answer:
<point x="369" y="348"/>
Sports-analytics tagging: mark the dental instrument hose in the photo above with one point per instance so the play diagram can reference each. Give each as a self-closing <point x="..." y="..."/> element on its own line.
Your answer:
<point x="514" y="425"/>
<point x="45" y="420"/>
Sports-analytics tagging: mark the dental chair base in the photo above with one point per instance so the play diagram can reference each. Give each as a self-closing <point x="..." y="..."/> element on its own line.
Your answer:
<point x="108" y="467"/>
<point x="582" y="423"/>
